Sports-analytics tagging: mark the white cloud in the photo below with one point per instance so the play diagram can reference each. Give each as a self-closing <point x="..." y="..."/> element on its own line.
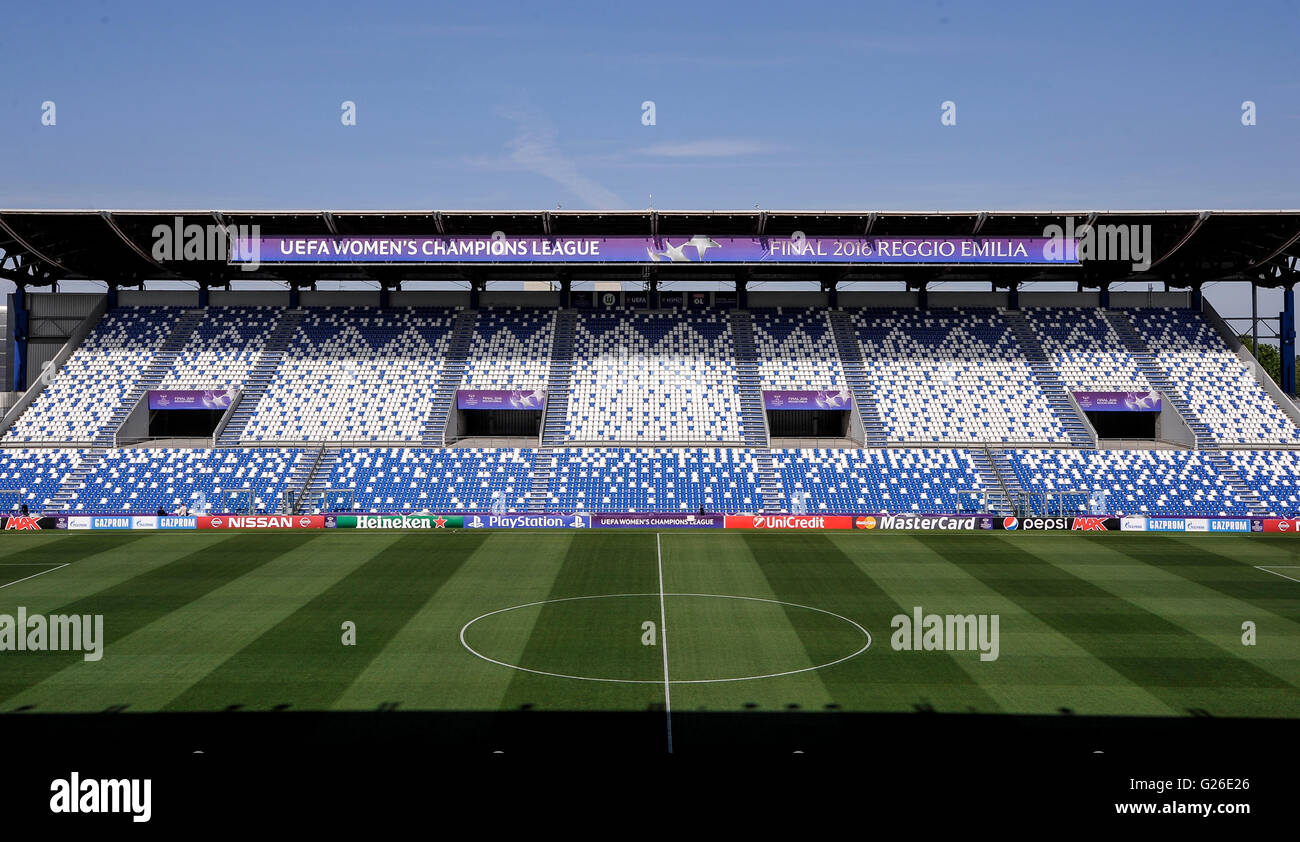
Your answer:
<point x="534" y="149"/>
<point x="715" y="148"/>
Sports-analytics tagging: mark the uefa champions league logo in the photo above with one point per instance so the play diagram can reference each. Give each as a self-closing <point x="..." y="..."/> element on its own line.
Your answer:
<point x="528" y="400"/>
<point x="834" y="400"/>
<point x="1142" y="403"/>
<point x="677" y="254"/>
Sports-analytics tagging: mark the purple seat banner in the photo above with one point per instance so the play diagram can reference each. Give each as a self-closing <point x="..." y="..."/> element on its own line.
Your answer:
<point x="1118" y="401"/>
<point x="500" y="399"/>
<point x="210" y="399"/>
<point x="822" y="399"/>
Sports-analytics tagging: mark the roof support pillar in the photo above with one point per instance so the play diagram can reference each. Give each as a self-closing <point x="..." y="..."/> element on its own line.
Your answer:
<point x="1104" y="293"/>
<point x="19" y="356"/>
<point x="1254" y="319"/>
<point x="476" y="287"/>
<point x="1288" y="338"/>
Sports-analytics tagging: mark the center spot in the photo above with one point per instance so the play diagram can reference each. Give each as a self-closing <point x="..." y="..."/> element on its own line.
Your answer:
<point x="710" y="638"/>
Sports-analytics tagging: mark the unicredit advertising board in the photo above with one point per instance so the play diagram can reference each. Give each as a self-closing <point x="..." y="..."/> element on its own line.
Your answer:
<point x="789" y="522"/>
<point x="700" y="248"/>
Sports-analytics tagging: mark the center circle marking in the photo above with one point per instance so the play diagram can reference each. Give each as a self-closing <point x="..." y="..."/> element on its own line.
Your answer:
<point x="865" y="634"/>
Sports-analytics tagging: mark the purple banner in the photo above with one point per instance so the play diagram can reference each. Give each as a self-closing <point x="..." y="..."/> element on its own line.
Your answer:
<point x="824" y="399"/>
<point x="500" y="399"/>
<point x="1118" y="401"/>
<point x="629" y="249"/>
<point x="211" y="399"/>
<point x="657" y="521"/>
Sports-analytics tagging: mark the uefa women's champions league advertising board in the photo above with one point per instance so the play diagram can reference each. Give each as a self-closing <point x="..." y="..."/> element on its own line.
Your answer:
<point x="700" y="248"/>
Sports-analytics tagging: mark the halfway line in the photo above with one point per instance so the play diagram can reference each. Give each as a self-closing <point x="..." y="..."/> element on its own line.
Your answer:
<point x="1280" y="566"/>
<point x="663" y="640"/>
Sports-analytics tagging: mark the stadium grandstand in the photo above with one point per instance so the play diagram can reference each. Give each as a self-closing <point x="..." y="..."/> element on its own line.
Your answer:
<point x="676" y="378"/>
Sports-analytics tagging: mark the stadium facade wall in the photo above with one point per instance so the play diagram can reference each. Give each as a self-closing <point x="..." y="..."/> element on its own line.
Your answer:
<point x="1150" y="299"/>
<point x="6" y="354"/>
<point x="338" y="298"/>
<point x="428" y="298"/>
<point x="51" y="320"/>
<point x="774" y="298"/>
<point x="878" y="299"/>
<point x="518" y="298"/>
<point x="158" y="298"/>
<point x="1059" y="299"/>
<point x="248" y="298"/>
<point x="969" y="299"/>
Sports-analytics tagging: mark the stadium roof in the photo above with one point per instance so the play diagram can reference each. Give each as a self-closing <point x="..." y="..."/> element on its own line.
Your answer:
<point x="1188" y="246"/>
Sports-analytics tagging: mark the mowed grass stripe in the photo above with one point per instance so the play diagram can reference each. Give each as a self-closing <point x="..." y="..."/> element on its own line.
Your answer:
<point x="154" y="664"/>
<point x="810" y="569"/>
<point x="598" y="638"/>
<point x="1227" y="564"/>
<point x="714" y="638"/>
<point x="1178" y="581"/>
<point x="301" y="663"/>
<point x="1174" y="659"/>
<point x="97" y="562"/>
<point x="1038" y="668"/>
<point x="139" y="600"/>
<point x="41" y="545"/>
<point x="424" y="666"/>
<point x="57" y="547"/>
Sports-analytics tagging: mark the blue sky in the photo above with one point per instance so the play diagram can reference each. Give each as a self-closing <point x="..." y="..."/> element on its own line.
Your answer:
<point x="523" y="105"/>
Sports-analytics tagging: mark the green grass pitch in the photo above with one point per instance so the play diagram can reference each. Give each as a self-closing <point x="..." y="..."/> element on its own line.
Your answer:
<point x="1103" y="625"/>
